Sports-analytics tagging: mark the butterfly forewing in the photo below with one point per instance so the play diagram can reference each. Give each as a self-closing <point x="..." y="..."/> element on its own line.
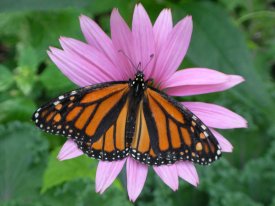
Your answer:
<point x="174" y="133"/>
<point x="108" y="121"/>
<point x="93" y="116"/>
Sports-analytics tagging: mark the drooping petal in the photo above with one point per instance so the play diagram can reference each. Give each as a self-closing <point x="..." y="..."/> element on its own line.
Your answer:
<point x="106" y="173"/>
<point x="100" y="64"/>
<point x="195" y="76"/>
<point x="70" y="70"/>
<point x="123" y="42"/>
<point x="80" y="67"/>
<point x="187" y="171"/>
<point x="162" y="27"/>
<point x="96" y="37"/>
<point x="187" y="90"/>
<point x="169" y="175"/>
<point x="136" y="177"/>
<point x="173" y="51"/>
<point x="226" y="146"/>
<point x="69" y="150"/>
<point x="143" y="38"/>
<point x="216" y="116"/>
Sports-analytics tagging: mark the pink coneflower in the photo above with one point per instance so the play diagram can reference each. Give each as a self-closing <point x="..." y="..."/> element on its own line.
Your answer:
<point x="99" y="60"/>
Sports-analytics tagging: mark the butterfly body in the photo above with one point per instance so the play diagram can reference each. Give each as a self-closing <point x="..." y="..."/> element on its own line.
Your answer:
<point x="112" y="120"/>
<point x="136" y="93"/>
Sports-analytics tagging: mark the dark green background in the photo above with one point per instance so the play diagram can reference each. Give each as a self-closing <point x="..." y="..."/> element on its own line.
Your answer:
<point x="232" y="36"/>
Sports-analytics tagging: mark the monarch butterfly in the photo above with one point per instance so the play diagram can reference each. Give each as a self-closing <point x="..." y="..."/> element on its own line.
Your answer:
<point x="109" y="121"/>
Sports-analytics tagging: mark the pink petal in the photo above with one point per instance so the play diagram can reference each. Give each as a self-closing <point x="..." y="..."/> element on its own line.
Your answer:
<point x="80" y="67"/>
<point x="99" y="63"/>
<point x="187" y="171"/>
<point x="96" y="37"/>
<point x="169" y="175"/>
<point x="187" y="90"/>
<point x="70" y="70"/>
<point x="106" y="173"/>
<point x="69" y="151"/>
<point x="216" y="116"/>
<point x="162" y="27"/>
<point x="174" y="50"/>
<point x="143" y="37"/>
<point x="195" y="76"/>
<point x="226" y="146"/>
<point x="122" y="39"/>
<point x="136" y="177"/>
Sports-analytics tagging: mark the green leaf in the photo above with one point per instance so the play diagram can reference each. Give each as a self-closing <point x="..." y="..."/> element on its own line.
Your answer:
<point x="25" y="73"/>
<point x="6" y="78"/>
<point x="54" y="81"/>
<point x="22" y="155"/>
<point x="59" y="172"/>
<point x="260" y="173"/>
<point x="25" y="79"/>
<point x="10" y="24"/>
<point x="216" y="43"/>
<point x="82" y="192"/>
<point x="17" y="108"/>
<point x="102" y="6"/>
<point x="238" y="199"/>
<point x="99" y="7"/>
<point x="27" y="57"/>
<point x="48" y="27"/>
<point x="27" y="5"/>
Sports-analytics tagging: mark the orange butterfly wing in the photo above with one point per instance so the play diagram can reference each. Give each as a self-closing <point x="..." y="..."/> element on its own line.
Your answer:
<point x="167" y="132"/>
<point x="94" y="117"/>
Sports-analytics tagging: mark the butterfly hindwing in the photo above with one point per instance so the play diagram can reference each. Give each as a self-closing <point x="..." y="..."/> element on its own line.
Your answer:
<point x="94" y="117"/>
<point x="141" y="147"/>
<point x="108" y="121"/>
<point x="172" y="133"/>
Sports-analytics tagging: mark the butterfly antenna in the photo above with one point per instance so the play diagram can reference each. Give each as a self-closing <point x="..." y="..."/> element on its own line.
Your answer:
<point x="127" y="58"/>
<point x="151" y="57"/>
<point x="139" y="66"/>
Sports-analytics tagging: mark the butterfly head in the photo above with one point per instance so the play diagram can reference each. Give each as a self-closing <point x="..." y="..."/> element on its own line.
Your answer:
<point x="139" y="76"/>
<point x="138" y="83"/>
<point x="138" y="80"/>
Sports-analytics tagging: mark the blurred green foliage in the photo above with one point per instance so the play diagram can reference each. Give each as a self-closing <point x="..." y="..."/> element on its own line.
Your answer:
<point x="236" y="36"/>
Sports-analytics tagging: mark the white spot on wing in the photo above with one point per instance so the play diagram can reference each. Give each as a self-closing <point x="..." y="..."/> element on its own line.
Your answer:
<point x="56" y="103"/>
